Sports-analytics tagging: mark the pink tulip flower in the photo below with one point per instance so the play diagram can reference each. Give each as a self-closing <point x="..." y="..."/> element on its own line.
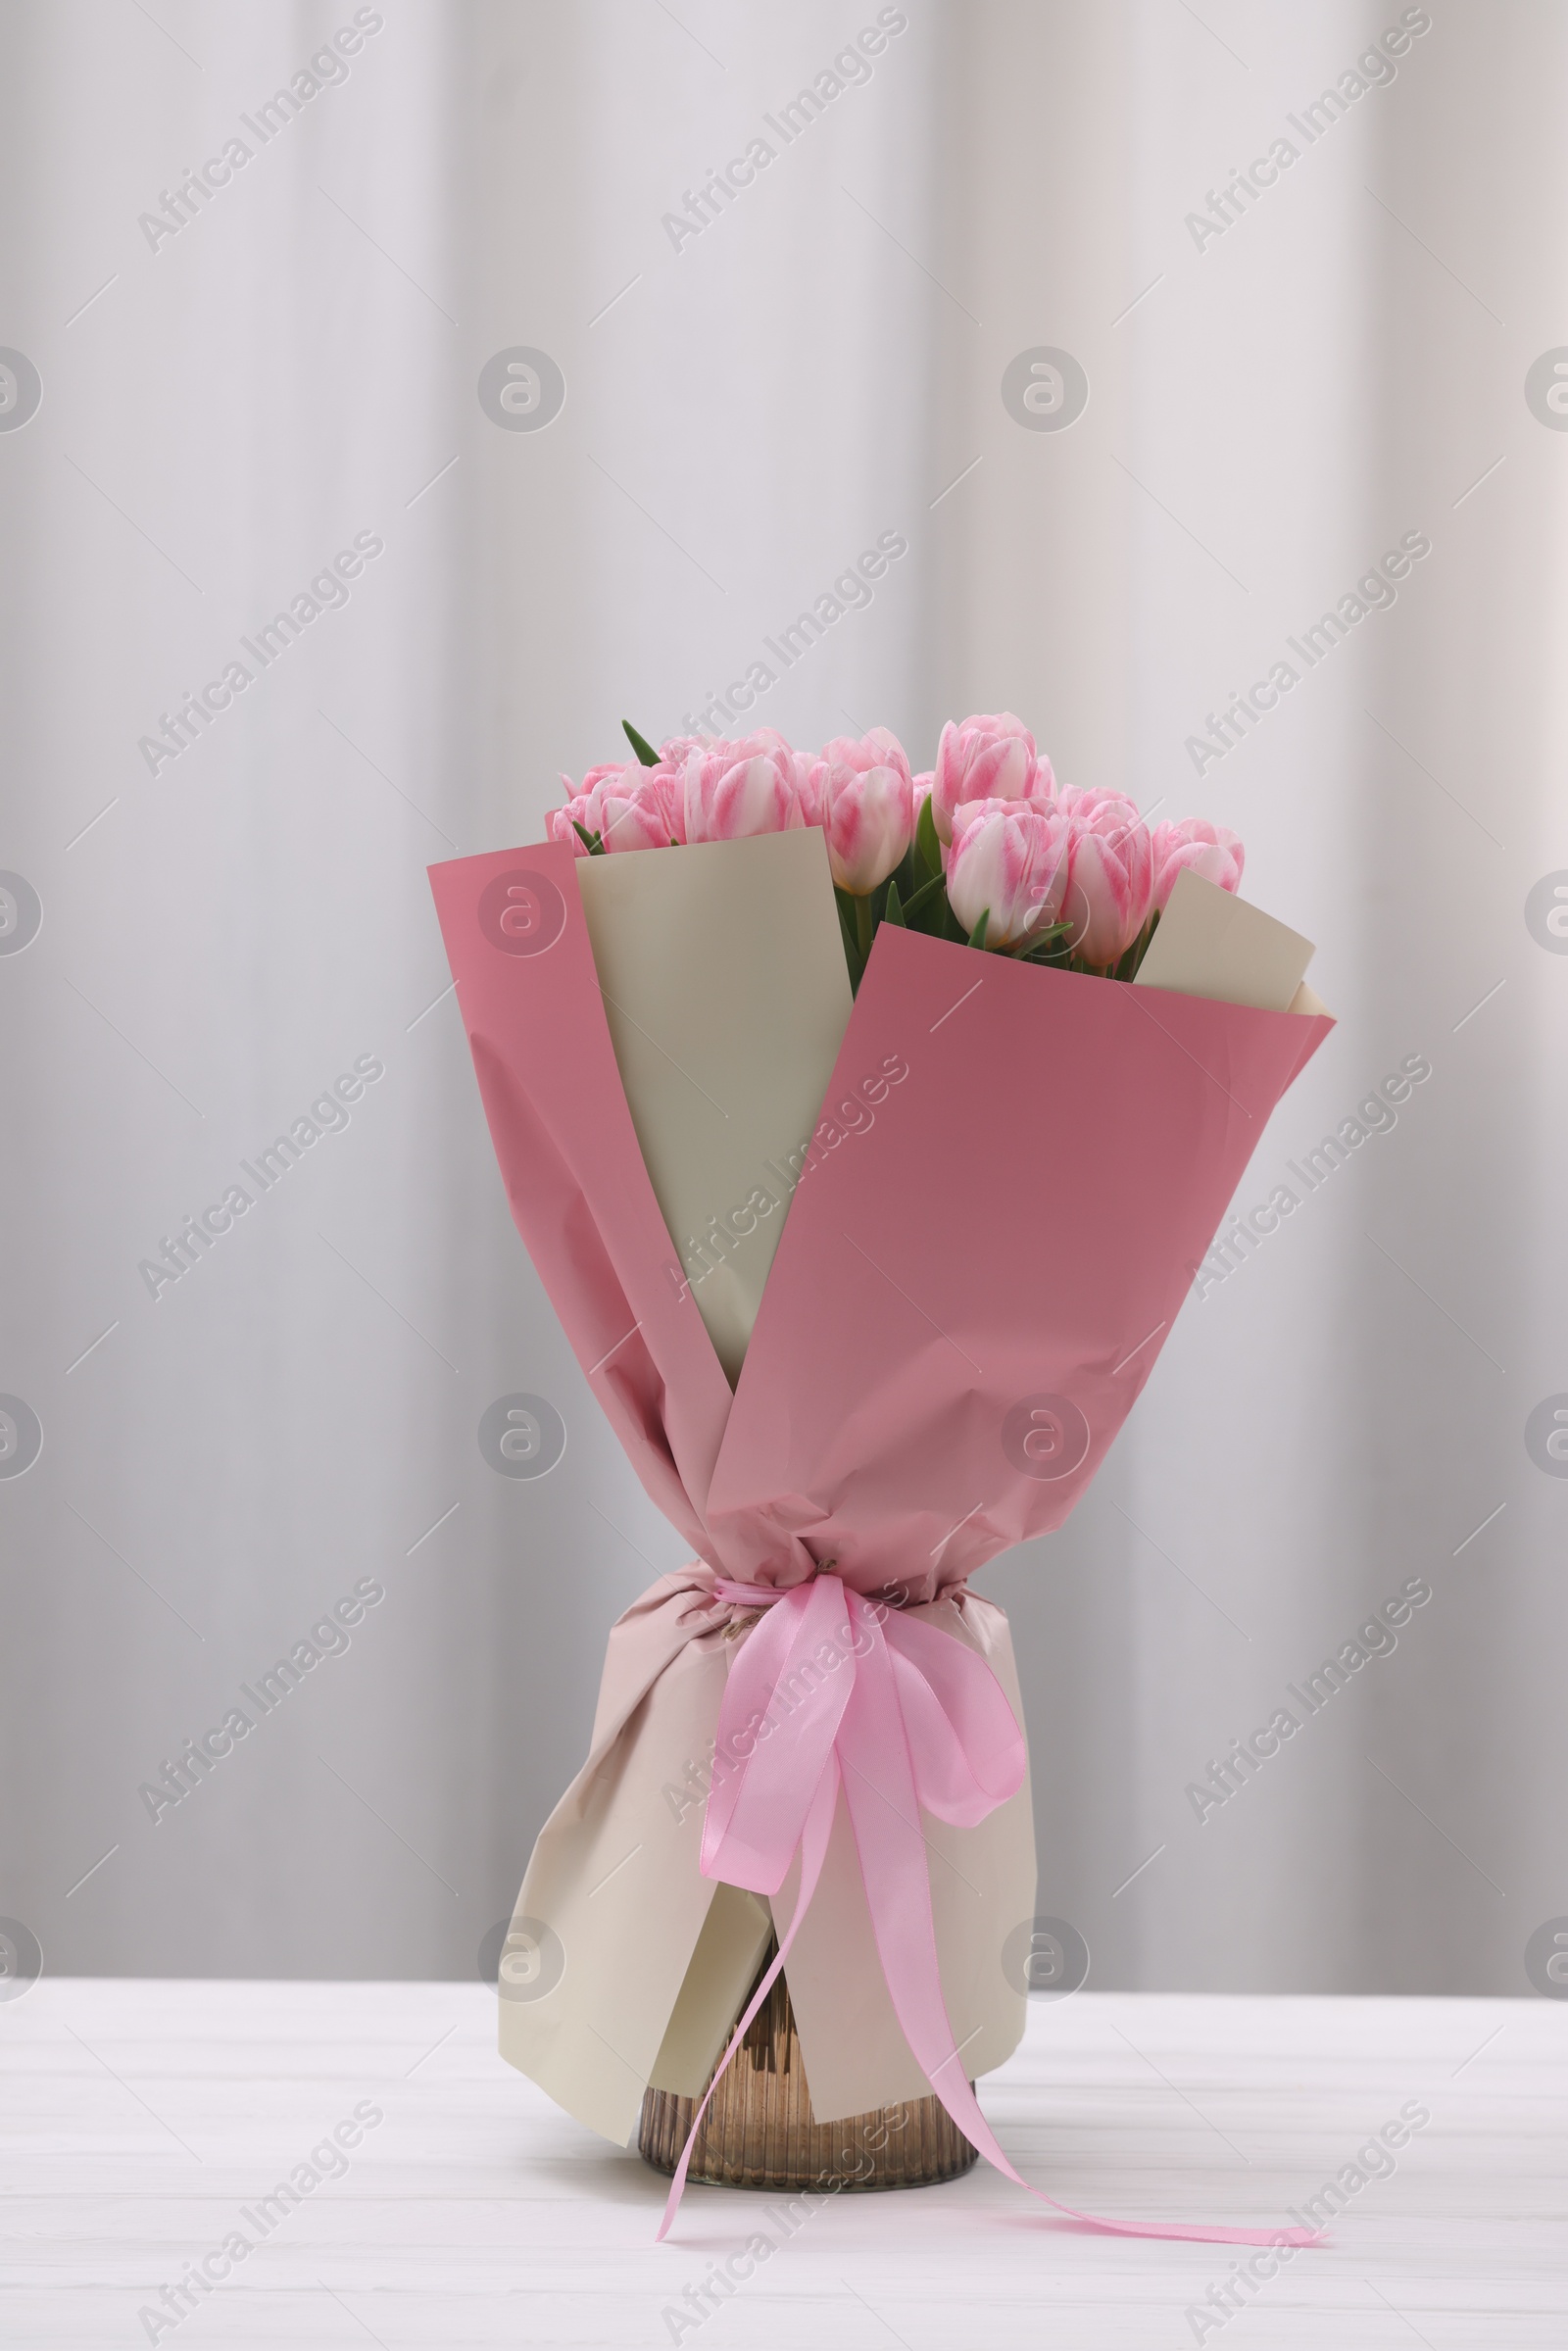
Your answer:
<point x="806" y="771"/>
<point x="729" y="791"/>
<point x="637" y="820"/>
<point x="863" y="797"/>
<point x="1209" y="848"/>
<point x="1109" y="874"/>
<point x="628" y="805"/>
<point x="584" y="804"/>
<point x="559" y="827"/>
<point x="1008" y="862"/>
<point x="987" y="758"/>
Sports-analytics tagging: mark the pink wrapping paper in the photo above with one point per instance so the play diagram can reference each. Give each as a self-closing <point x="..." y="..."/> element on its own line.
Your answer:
<point x="1014" y="1172"/>
<point x="971" y="1292"/>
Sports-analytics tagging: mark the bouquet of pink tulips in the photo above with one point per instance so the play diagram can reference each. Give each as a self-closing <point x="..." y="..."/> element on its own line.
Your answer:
<point x="727" y="1156"/>
<point x="983" y="849"/>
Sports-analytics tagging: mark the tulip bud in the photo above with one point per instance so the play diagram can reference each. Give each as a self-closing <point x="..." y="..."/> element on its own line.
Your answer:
<point x="730" y="791"/>
<point x="987" y="758"/>
<point x="1109" y="874"/>
<point x="586" y="804"/>
<point x="1008" y="862"/>
<point x="638" y="820"/>
<point x="1209" y="848"/>
<point x="863" y="798"/>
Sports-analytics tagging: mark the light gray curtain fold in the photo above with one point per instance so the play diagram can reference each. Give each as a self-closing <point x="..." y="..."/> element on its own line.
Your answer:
<point x="760" y="385"/>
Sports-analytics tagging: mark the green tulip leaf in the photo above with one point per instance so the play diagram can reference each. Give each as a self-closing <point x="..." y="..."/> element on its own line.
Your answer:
<point x="922" y="899"/>
<point x="927" y="848"/>
<point x="640" y="745"/>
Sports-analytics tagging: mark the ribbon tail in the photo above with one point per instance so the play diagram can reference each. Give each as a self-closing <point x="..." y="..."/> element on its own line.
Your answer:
<point x="884" y="1813"/>
<point x="815" y="1835"/>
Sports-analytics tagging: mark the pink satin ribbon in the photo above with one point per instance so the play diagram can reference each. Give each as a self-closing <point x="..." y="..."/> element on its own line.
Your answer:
<point x="905" y="1718"/>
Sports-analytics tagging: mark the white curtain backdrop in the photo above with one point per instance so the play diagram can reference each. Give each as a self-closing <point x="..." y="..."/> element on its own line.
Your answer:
<point x="198" y="946"/>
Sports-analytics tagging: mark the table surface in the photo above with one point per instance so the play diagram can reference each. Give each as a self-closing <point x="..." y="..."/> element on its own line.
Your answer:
<point x="141" y="2121"/>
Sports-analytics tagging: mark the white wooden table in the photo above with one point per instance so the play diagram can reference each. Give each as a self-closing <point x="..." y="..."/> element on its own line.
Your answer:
<point x="140" y="2123"/>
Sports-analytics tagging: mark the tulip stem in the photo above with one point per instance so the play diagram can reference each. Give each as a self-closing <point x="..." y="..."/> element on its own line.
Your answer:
<point x="852" y="953"/>
<point x="863" y="926"/>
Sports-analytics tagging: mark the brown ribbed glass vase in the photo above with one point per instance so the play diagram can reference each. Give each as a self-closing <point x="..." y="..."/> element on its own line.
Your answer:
<point x="758" y="2133"/>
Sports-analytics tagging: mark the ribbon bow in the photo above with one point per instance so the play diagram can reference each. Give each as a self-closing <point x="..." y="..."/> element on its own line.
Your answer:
<point x="833" y="1690"/>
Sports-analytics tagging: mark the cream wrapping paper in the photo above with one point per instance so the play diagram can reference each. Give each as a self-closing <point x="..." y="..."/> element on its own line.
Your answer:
<point x="614" y="1877"/>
